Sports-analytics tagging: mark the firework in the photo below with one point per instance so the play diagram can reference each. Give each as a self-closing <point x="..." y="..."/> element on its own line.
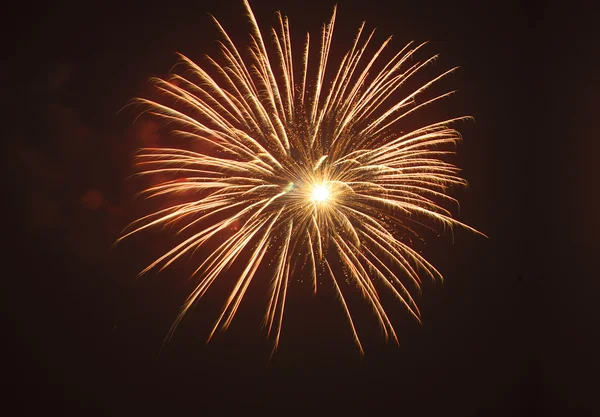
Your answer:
<point x="308" y="170"/>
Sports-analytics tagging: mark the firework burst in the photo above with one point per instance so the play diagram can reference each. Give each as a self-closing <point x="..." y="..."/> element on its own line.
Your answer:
<point x="309" y="163"/>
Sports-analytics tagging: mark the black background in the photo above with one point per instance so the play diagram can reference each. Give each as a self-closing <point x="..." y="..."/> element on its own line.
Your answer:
<point x="511" y="330"/>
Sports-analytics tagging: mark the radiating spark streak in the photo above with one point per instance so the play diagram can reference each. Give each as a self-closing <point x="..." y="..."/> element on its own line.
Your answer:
<point x="313" y="263"/>
<point x="316" y="172"/>
<point x="346" y="310"/>
<point x="362" y="278"/>
<point x="242" y="285"/>
<point x="344" y="73"/>
<point x="324" y="53"/>
<point x="410" y="304"/>
<point x="305" y="68"/>
<point x="319" y="162"/>
<point x="284" y="285"/>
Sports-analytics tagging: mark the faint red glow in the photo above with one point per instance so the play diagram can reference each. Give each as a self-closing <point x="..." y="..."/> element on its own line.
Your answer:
<point x="92" y="199"/>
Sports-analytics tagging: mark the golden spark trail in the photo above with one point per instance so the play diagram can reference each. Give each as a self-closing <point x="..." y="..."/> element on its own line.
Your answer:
<point x="303" y="177"/>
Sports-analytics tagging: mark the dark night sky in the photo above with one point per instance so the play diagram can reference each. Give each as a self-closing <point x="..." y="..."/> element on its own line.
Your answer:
<point x="511" y="330"/>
